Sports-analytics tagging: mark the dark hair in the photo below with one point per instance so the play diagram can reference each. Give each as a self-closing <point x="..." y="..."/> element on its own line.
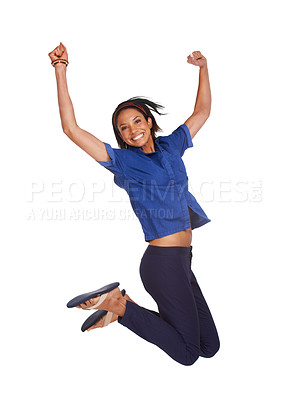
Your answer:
<point x="143" y="105"/>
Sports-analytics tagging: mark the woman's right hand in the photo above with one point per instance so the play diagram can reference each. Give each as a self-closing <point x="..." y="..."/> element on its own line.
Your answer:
<point x="60" y="52"/>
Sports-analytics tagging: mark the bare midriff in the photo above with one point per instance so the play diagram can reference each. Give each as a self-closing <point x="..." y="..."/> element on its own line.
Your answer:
<point x="182" y="238"/>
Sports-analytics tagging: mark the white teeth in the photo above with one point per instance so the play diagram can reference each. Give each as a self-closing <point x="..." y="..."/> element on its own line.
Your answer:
<point x="138" y="137"/>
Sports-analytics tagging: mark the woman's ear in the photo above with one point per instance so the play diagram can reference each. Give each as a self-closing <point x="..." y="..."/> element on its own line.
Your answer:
<point x="149" y="122"/>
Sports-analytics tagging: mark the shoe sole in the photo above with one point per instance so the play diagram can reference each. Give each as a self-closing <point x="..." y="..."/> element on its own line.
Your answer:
<point x="76" y="301"/>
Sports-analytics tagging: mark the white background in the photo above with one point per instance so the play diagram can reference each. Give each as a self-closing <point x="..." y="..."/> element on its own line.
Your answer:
<point x="238" y="171"/>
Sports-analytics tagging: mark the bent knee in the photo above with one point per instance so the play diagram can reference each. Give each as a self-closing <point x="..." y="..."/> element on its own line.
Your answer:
<point x="191" y="359"/>
<point x="210" y="351"/>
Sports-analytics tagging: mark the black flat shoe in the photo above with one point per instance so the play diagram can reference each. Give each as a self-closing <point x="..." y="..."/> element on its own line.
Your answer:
<point x="96" y="316"/>
<point x="102" y="292"/>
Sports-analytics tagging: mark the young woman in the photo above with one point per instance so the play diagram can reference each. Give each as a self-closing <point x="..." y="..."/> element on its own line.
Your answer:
<point x="152" y="172"/>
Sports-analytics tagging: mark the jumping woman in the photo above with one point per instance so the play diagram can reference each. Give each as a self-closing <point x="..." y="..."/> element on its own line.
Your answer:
<point x="153" y="174"/>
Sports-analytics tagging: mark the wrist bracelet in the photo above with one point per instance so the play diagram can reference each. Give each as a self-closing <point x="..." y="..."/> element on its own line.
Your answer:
<point x="61" y="61"/>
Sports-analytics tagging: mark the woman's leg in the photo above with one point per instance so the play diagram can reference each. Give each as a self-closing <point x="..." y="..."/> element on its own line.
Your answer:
<point x="164" y="273"/>
<point x="153" y="312"/>
<point x="209" y="339"/>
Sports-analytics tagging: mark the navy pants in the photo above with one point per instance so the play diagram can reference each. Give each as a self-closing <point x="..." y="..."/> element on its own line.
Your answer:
<point x="183" y="327"/>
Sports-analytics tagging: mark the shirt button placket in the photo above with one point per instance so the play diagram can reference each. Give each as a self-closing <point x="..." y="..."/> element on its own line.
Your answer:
<point x="168" y="168"/>
<point x="182" y="199"/>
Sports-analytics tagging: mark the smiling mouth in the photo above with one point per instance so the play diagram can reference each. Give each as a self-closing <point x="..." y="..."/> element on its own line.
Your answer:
<point x="138" y="137"/>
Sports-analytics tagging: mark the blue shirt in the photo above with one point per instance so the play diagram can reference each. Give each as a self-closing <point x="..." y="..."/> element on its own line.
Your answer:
<point x="157" y="184"/>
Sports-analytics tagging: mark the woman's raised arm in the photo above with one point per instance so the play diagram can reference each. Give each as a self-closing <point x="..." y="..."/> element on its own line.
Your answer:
<point x="203" y="99"/>
<point x="85" y="140"/>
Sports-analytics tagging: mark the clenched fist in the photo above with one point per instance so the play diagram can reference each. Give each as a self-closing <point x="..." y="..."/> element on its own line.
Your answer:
<point x="196" y="58"/>
<point x="60" y="52"/>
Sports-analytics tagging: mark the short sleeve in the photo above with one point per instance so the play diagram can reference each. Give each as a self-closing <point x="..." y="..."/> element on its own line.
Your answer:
<point x="178" y="141"/>
<point x="115" y="164"/>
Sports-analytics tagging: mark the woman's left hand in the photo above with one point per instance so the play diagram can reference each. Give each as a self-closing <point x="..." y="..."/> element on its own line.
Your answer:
<point x="59" y="52"/>
<point x="196" y="58"/>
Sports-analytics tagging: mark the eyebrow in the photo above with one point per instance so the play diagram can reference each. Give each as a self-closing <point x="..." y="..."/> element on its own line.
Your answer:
<point x="133" y="120"/>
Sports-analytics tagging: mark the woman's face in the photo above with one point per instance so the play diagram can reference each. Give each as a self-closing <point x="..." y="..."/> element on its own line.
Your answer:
<point x="134" y="128"/>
